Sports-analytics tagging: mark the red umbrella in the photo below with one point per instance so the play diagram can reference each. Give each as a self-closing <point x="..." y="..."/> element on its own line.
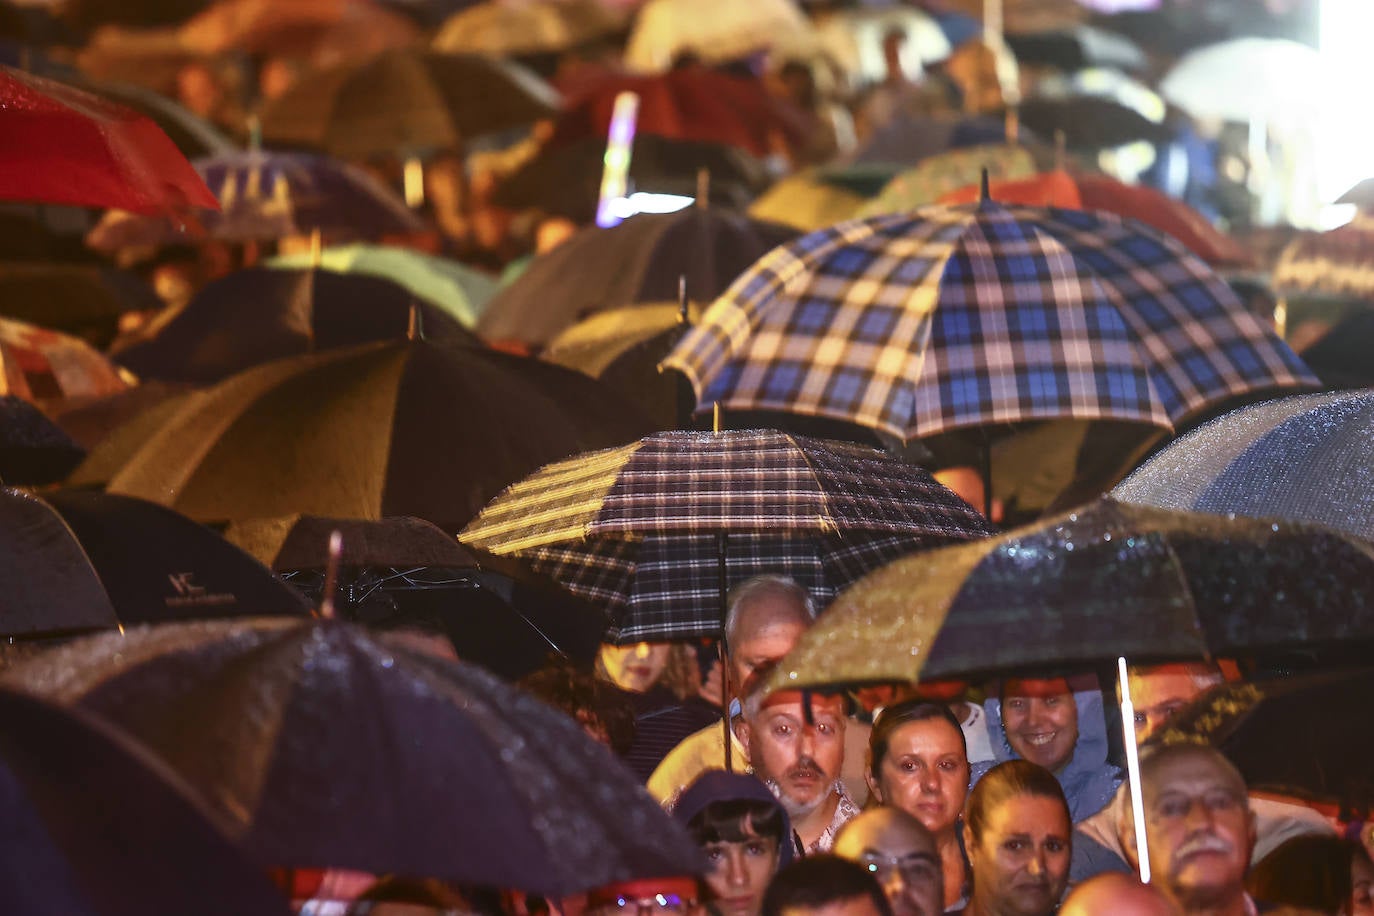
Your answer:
<point x="65" y="146"/>
<point x="690" y="103"/>
<point x="1099" y="192"/>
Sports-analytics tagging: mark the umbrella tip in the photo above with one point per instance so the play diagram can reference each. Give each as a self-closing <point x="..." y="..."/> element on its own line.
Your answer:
<point x="984" y="195"/>
<point x="415" y="327"/>
<point x="331" y="574"/>
<point x="682" y="312"/>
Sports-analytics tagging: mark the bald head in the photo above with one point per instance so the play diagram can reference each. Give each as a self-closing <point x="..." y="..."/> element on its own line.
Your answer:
<point x="1117" y="894"/>
<point x="900" y="852"/>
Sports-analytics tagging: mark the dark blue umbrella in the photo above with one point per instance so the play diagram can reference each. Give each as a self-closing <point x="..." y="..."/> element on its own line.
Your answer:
<point x="1305" y="458"/>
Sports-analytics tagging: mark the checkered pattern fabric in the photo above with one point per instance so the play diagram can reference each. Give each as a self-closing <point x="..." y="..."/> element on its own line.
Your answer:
<point x="636" y="528"/>
<point x="965" y="316"/>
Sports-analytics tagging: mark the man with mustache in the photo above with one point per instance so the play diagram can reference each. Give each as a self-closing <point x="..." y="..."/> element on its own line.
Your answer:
<point x="1199" y="828"/>
<point x="795" y="742"/>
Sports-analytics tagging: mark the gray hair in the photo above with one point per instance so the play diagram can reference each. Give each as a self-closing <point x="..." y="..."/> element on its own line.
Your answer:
<point x="754" y="588"/>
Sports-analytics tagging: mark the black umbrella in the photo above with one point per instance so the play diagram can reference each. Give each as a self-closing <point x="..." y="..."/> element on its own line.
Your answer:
<point x="639" y="262"/>
<point x="83" y="301"/>
<point x="260" y="314"/>
<point x="327" y="748"/>
<point x="406" y="572"/>
<point x="96" y="826"/>
<point x="1340" y="358"/>
<point x="1090" y="121"/>
<point x="33" y="450"/>
<point x="1076" y="48"/>
<point x="78" y="561"/>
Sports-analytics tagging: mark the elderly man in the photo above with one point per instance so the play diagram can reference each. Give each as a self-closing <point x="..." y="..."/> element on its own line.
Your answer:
<point x="900" y="852"/>
<point x="765" y="618"/>
<point x="1199" y="829"/>
<point x="795" y="741"/>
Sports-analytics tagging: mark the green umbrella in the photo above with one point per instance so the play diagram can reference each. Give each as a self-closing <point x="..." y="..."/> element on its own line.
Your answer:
<point x="460" y="290"/>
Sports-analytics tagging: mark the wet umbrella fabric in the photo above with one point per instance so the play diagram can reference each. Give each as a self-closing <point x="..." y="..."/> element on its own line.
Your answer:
<point x="1305" y="457"/>
<point x="409" y="428"/>
<point x="80" y="300"/>
<point x="34" y="451"/>
<point x="637" y="528"/>
<point x="915" y="324"/>
<point x="326" y="747"/>
<point x="636" y="263"/>
<point x="96" y="826"/>
<point x="79" y="560"/>
<point x="399" y="572"/>
<point x="1106" y="580"/>
<point x="1269" y="731"/>
<point x="253" y="316"/>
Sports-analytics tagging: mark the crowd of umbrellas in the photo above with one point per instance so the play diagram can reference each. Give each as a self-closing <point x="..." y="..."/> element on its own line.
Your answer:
<point x="314" y="354"/>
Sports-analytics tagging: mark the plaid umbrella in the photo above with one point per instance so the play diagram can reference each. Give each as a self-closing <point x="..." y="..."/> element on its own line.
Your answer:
<point x="639" y="527"/>
<point x="952" y="317"/>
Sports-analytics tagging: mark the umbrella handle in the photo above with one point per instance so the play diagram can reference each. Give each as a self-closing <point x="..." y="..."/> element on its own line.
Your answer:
<point x="1133" y="772"/>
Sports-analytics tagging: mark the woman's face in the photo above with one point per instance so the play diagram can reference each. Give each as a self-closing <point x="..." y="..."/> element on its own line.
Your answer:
<point x="636" y="667"/>
<point x="740" y="873"/>
<point x="925" y="773"/>
<point x="1021" y="862"/>
<point x="1361" y="887"/>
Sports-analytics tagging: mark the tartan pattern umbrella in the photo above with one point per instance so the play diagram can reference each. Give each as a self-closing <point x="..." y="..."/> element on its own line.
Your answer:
<point x="638" y="527"/>
<point x="1338" y="264"/>
<point x="915" y="324"/>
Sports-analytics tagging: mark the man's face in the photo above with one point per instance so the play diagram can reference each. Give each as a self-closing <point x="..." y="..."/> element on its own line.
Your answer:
<point x="925" y="773"/>
<point x="1158" y="696"/>
<point x="1021" y="862"/>
<point x="902" y="858"/>
<point x="768" y="628"/>
<point x="1200" y="828"/>
<point x="801" y="759"/>
<point x="740" y="873"/>
<point x="1041" y="721"/>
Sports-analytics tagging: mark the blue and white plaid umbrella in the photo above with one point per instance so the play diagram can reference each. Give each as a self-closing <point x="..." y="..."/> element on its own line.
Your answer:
<point x="950" y="317"/>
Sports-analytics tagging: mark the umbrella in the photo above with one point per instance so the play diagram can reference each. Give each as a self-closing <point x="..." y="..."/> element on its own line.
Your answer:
<point x="1104" y="83"/>
<point x="1340" y="358"/>
<point x="567" y="181"/>
<point x="916" y="324"/>
<point x="407" y="428"/>
<point x="510" y="30"/>
<point x="405" y="102"/>
<point x="460" y="290"/>
<point x="1303" y="458"/>
<point x="265" y="196"/>
<point x="327" y="748"/>
<point x="853" y="38"/>
<point x="1320" y="758"/>
<point x="928" y="180"/>
<point x="118" y="426"/>
<point x="908" y="139"/>
<point x="325" y="31"/>
<point x="66" y="146"/>
<point x="638" y="262"/>
<point x="806" y="201"/>
<point x="394" y="572"/>
<point x="41" y="365"/>
<point x="34" y="451"/>
<point x="1361" y="195"/>
<point x="85" y="301"/>
<point x="253" y="316"/>
<point x="96" y="826"/>
<point x="692" y="103"/>
<point x="80" y="560"/>
<point x="1091" y="121"/>
<point x="1246" y="79"/>
<point x="1106" y="580"/>
<point x="1338" y="264"/>
<point x="1080" y="191"/>
<point x="192" y="134"/>
<point x="639" y="528"/>
<point x="1076" y="48"/>
<point x="712" y="31"/>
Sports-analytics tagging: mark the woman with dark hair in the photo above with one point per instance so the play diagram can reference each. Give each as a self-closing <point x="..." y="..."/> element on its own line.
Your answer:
<point x="661" y="680"/>
<point x="918" y="762"/>
<point x="1019" y="841"/>
<point x="745" y="834"/>
<point x="1325" y="874"/>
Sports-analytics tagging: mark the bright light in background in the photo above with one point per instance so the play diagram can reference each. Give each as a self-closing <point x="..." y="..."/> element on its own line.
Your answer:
<point x="644" y="202"/>
<point x="1345" y="143"/>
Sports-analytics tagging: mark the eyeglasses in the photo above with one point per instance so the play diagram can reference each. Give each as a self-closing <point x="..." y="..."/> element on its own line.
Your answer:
<point x="646" y="906"/>
<point x="914" y="866"/>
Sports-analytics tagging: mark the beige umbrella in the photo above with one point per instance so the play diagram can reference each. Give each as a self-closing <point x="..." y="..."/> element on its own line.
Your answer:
<point x="713" y="30"/>
<point x="507" y="28"/>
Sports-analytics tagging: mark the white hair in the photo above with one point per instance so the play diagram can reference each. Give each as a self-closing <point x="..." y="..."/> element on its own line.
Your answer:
<point x="754" y="588"/>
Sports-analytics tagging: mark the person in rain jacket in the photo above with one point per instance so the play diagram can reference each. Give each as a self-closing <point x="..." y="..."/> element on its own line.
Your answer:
<point x="1059" y="727"/>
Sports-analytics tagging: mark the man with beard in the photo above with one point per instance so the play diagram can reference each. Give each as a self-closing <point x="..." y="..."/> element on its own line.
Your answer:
<point x="798" y="752"/>
<point x="1199" y="827"/>
<point x="900" y="852"/>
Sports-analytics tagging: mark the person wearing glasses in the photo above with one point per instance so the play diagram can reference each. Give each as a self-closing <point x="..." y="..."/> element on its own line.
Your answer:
<point x="901" y="854"/>
<point x="671" y="896"/>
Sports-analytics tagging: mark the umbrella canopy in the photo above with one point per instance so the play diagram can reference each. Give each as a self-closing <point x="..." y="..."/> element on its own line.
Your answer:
<point x="1105" y="580"/>
<point x="927" y="181"/>
<point x="806" y="201"/>
<point x="193" y="135"/>
<point x="712" y="31"/>
<point x="693" y="103"/>
<point x="325" y="31"/>
<point x="1340" y="358"/>
<point x="405" y="102"/>
<point x="637" y="528"/>
<point x="514" y="29"/>
<point x="908" y="139"/>
<point x="566" y="181"/>
<point x="81" y="560"/>
<point x="409" y="428"/>
<point x="1076" y="48"/>
<point x="41" y="365"/>
<point x="1303" y="458"/>
<point x="34" y="451"/>
<point x="84" y="301"/>
<point x="65" y="146"/>
<point x="460" y="290"/>
<point x="327" y="748"/>
<point x="1090" y="121"/>
<point x="398" y="572"/>
<point x="1246" y="78"/>
<point x="1338" y="264"/>
<point x="853" y="38"/>
<point x="265" y="196"/>
<point x="638" y="262"/>
<point x="97" y="826"/>
<point x="1320" y="758"/>
<point x="1081" y="191"/>
<point x="257" y="315"/>
<point x="915" y="324"/>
